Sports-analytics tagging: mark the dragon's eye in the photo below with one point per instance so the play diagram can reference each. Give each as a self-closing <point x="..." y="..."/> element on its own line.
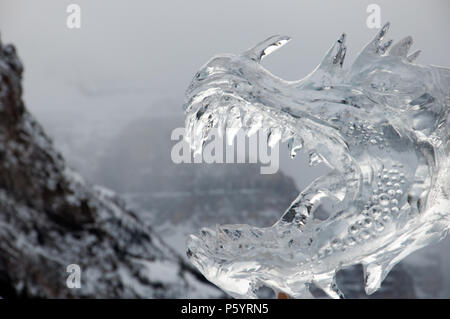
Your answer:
<point x="201" y="75"/>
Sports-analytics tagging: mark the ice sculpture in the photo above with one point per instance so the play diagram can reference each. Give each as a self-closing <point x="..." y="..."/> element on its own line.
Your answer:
<point x="382" y="127"/>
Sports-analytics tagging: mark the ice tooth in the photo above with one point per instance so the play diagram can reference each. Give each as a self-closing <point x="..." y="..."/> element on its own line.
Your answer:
<point x="373" y="275"/>
<point x="314" y="158"/>
<point x="294" y="144"/>
<point x="287" y="135"/>
<point x="255" y="125"/>
<point x="209" y="124"/>
<point x="221" y="126"/>
<point x="189" y="131"/>
<point x="247" y="119"/>
<point x="273" y="137"/>
<point x="231" y="133"/>
<point x="198" y="148"/>
<point x="233" y="124"/>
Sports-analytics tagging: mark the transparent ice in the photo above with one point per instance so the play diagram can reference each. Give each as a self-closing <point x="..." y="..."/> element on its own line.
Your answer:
<point x="382" y="127"/>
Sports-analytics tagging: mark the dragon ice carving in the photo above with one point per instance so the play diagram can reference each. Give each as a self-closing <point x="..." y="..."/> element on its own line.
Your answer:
<point x="381" y="126"/>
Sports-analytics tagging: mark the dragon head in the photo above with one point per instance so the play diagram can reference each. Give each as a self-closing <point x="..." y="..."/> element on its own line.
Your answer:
<point x="382" y="127"/>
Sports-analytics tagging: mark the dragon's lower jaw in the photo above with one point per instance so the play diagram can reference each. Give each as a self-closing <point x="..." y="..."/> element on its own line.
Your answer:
<point x="240" y="259"/>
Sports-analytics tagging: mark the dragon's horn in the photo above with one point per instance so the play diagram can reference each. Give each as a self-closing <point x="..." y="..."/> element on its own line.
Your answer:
<point x="402" y="47"/>
<point x="380" y="35"/>
<point x="332" y="61"/>
<point x="413" y="56"/>
<point x="375" y="46"/>
<point x="336" y="54"/>
<point x="258" y="52"/>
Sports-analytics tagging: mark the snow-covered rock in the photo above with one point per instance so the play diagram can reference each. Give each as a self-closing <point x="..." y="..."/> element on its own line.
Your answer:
<point x="51" y="218"/>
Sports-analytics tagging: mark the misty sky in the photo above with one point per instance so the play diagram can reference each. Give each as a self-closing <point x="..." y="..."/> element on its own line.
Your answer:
<point x="135" y="58"/>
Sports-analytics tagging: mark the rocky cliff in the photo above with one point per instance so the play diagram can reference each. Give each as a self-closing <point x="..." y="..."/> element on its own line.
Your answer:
<point x="50" y="218"/>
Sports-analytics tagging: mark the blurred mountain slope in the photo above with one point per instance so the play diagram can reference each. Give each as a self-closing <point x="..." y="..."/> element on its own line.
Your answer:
<point x="50" y="218"/>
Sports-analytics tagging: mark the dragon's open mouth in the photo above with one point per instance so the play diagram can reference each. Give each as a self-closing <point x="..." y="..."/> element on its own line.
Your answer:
<point x="379" y="128"/>
<point x="232" y="114"/>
